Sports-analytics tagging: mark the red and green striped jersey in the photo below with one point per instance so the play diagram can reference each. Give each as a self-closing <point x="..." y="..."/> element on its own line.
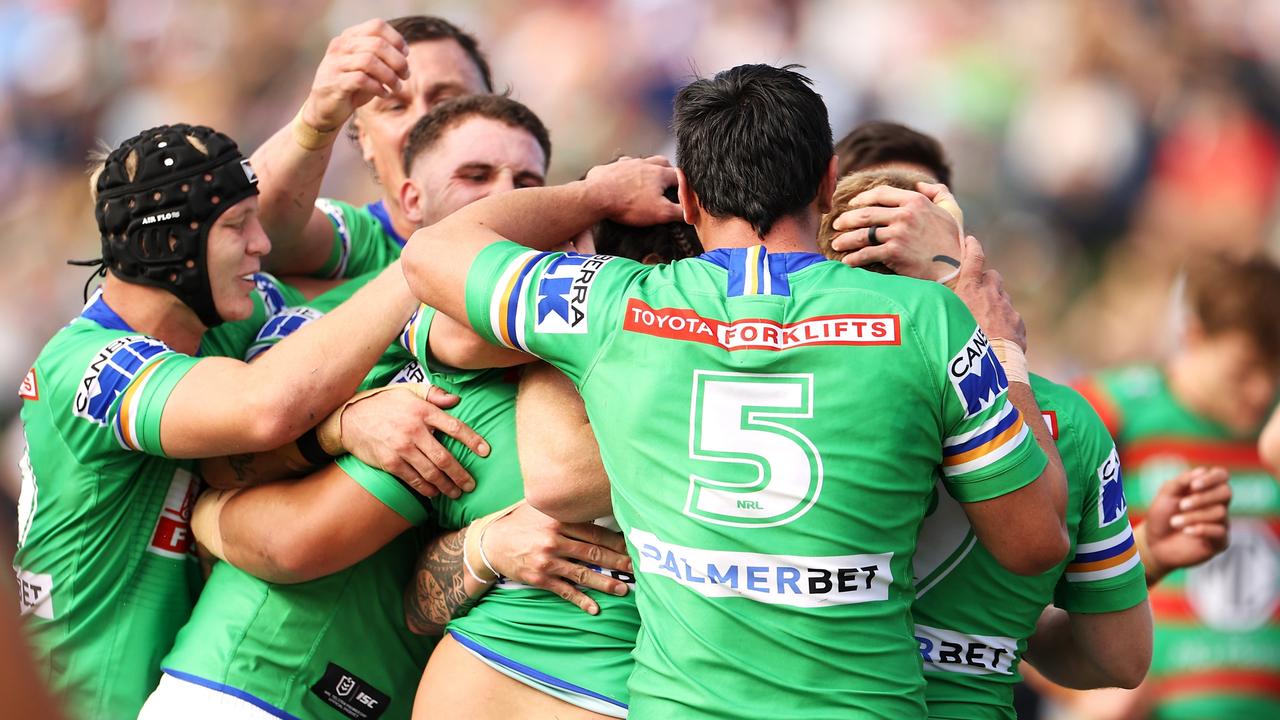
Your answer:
<point x="771" y="425"/>
<point x="1217" y="633"/>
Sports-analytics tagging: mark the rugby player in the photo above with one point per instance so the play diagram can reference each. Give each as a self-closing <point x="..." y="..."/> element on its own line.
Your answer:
<point x="120" y="398"/>
<point x="259" y="645"/>
<point x="1187" y="524"/>
<point x="383" y="76"/>
<point x="518" y="652"/>
<point x="1217" y="630"/>
<point x="739" y="592"/>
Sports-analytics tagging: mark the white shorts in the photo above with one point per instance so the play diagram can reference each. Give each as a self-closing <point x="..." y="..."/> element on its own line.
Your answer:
<point x="179" y="698"/>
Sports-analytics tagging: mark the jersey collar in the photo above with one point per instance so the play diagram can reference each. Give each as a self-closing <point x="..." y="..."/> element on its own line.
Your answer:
<point x="755" y="271"/>
<point x="379" y="210"/>
<point x="99" y="312"/>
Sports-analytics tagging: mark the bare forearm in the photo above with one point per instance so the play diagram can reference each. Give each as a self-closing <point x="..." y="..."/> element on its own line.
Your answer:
<point x="1054" y="652"/>
<point x="1054" y="477"/>
<point x="289" y="178"/>
<point x="311" y="372"/>
<point x="249" y="469"/>
<point x="1086" y="651"/>
<point x="559" y="456"/>
<point x="441" y="588"/>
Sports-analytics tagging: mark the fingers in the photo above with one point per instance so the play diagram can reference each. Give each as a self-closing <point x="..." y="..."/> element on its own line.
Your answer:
<point x="1215" y="533"/>
<point x="450" y="477"/>
<point x="571" y="594"/>
<point x="865" y="217"/>
<point x="1217" y="495"/>
<point x="868" y="255"/>
<point x="414" y="468"/>
<point x="1210" y="477"/>
<point x="1211" y="514"/>
<point x="884" y="195"/>
<point x="973" y="260"/>
<point x="436" y="396"/>
<point x="453" y="427"/>
<point x="594" y="554"/>
<point x="660" y="160"/>
<point x="942" y="197"/>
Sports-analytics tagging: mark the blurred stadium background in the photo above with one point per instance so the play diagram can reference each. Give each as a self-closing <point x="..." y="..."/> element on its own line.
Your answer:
<point x="1098" y="145"/>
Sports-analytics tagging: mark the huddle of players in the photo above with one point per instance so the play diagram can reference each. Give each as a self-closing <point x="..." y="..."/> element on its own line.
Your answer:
<point x="305" y="618"/>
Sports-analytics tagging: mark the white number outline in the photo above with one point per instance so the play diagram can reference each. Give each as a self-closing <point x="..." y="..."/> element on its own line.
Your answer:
<point x="751" y="417"/>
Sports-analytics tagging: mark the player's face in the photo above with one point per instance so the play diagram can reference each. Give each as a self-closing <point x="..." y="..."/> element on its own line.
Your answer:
<point x="235" y="248"/>
<point x="1243" y="381"/>
<point x="439" y="70"/>
<point x="477" y="158"/>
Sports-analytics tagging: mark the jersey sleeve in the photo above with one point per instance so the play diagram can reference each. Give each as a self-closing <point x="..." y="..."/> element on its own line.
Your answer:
<point x="388" y="489"/>
<point x="988" y="448"/>
<point x="122" y="394"/>
<point x="359" y="244"/>
<point x="561" y="307"/>
<point x="1105" y="574"/>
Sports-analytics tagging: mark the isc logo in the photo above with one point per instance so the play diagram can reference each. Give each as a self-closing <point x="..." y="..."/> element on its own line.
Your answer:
<point x="977" y="375"/>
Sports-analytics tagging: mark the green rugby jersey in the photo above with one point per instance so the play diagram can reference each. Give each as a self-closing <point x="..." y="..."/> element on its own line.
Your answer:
<point x="103" y="565"/>
<point x="1217" y="625"/>
<point x="529" y="631"/>
<point x="771" y="424"/>
<point x="973" y="617"/>
<point x="335" y="647"/>
<point x="364" y="239"/>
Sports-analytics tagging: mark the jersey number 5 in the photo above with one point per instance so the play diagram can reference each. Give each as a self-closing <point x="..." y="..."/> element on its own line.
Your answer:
<point x="734" y="421"/>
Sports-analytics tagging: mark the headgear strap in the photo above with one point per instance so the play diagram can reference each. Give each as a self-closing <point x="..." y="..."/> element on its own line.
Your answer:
<point x="155" y="226"/>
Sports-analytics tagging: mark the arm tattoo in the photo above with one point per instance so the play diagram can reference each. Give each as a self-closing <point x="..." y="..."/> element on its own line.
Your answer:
<point x="947" y="259"/>
<point x="437" y="593"/>
<point x="242" y="466"/>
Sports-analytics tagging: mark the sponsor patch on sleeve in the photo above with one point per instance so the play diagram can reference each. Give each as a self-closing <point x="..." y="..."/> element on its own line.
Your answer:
<point x="976" y="374"/>
<point x="1103" y="559"/>
<point x="1111" y="502"/>
<point x="29" y="389"/>
<point x="280" y="326"/>
<point x="564" y="290"/>
<point x="334" y="213"/>
<point x="272" y="298"/>
<point x="35" y="593"/>
<point x="110" y="373"/>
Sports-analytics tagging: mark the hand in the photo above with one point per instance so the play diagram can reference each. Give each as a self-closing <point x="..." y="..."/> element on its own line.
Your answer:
<point x="393" y="430"/>
<point x="982" y="290"/>
<point x="918" y="233"/>
<point x="1187" y="523"/>
<point x="631" y="190"/>
<point x="536" y="550"/>
<point x="366" y="61"/>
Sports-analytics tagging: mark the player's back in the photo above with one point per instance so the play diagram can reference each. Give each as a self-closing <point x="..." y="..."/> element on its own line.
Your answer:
<point x="771" y="425"/>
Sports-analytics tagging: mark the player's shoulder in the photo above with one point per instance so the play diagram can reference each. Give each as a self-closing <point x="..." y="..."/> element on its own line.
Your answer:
<point x="1067" y="412"/>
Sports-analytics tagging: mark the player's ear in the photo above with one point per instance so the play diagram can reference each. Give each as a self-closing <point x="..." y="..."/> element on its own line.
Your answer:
<point x="827" y="187"/>
<point x="411" y="199"/>
<point x="688" y="199"/>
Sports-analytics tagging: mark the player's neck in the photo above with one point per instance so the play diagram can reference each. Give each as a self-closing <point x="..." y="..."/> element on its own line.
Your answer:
<point x="1184" y="373"/>
<point x="402" y="224"/>
<point x="155" y="312"/>
<point x="793" y="233"/>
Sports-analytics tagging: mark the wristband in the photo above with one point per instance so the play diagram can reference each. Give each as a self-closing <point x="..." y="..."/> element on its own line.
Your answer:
<point x="473" y="546"/>
<point x="206" y="520"/>
<point x="329" y="431"/>
<point x="1012" y="359"/>
<point x="307" y="137"/>
<point x="311" y="451"/>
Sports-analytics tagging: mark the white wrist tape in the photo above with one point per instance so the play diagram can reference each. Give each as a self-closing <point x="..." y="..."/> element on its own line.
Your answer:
<point x="1012" y="358"/>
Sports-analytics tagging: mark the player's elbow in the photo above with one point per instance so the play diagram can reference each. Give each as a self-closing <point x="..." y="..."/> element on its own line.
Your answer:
<point x="271" y="420"/>
<point x="296" y="558"/>
<point x="415" y="260"/>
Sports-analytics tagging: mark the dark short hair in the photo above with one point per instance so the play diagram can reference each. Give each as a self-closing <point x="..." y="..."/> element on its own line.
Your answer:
<point x="432" y="126"/>
<point x="879" y="143"/>
<point x="1227" y="294"/>
<point x="668" y="241"/>
<point x="753" y="141"/>
<point x="423" y="28"/>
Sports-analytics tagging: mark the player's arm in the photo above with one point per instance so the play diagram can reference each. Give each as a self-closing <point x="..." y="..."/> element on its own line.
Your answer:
<point x="438" y="258"/>
<point x="1186" y="524"/>
<point x="291" y="164"/>
<point x="223" y="406"/>
<point x="296" y="530"/>
<point x="1092" y="650"/>
<point x="559" y="456"/>
<point x="1269" y="443"/>
<point x="520" y="543"/>
<point x="1025" y="530"/>
<point x="458" y="346"/>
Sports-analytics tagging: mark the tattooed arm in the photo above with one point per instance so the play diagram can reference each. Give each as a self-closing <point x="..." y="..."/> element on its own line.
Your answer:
<point x="522" y="544"/>
<point x="440" y="589"/>
<point x="249" y="469"/>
